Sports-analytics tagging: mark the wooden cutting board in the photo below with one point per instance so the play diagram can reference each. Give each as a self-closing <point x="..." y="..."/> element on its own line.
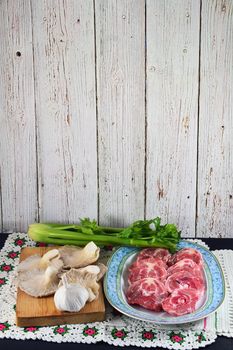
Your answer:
<point x="32" y="311"/>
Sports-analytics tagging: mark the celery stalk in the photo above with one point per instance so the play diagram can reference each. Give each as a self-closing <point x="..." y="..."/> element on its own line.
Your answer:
<point x="148" y="233"/>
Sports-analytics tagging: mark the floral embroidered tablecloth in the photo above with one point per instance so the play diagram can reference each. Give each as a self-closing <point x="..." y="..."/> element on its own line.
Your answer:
<point x="117" y="329"/>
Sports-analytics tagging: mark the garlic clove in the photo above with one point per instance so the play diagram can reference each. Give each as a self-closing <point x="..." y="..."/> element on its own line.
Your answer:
<point x="71" y="297"/>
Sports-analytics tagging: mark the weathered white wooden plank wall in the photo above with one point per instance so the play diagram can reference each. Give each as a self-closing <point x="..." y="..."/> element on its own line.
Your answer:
<point x="116" y="110"/>
<point x="64" y="57"/>
<point x="120" y="54"/>
<point x="172" y="107"/>
<point x="17" y="117"/>
<point x="215" y="162"/>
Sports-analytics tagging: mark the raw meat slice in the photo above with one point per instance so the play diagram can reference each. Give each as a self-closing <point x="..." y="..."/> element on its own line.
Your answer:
<point x="184" y="279"/>
<point x="159" y="253"/>
<point x="188" y="253"/>
<point x="151" y="267"/>
<point x="151" y="260"/>
<point x="185" y="265"/>
<point x="148" y="293"/>
<point x="171" y="260"/>
<point x="181" y="302"/>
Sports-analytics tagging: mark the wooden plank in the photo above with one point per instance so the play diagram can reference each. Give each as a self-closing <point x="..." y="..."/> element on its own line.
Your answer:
<point x="1" y="206"/>
<point x="172" y="95"/>
<point x="120" y="51"/>
<point x="17" y="113"/>
<point x="66" y="109"/>
<point x="43" y="312"/>
<point x="215" y="187"/>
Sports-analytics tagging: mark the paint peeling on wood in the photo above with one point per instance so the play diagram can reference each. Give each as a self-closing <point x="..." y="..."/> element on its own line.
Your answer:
<point x="160" y="190"/>
<point x="185" y="124"/>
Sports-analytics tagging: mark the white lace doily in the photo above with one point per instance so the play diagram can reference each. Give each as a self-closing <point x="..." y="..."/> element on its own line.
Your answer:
<point x="117" y="329"/>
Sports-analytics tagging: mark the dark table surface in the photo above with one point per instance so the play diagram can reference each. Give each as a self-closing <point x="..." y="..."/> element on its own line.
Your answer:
<point x="222" y="343"/>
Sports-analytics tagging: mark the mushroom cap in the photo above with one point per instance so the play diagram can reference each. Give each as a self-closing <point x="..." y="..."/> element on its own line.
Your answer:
<point x="48" y="257"/>
<point x="37" y="262"/>
<point x="78" y="257"/>
<point x="32" y="262"/>
<point x="38" y="276"/>
<point x="39" y="282"/>
<point x="103" y="270"/>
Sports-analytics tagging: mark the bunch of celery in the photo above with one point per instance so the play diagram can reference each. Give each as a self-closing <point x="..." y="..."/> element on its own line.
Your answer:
<point x="142" y="233"/>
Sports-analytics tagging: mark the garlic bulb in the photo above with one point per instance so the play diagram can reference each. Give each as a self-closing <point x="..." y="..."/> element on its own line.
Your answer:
<point x="85" y="277"/>
<point x="70" y="297"/>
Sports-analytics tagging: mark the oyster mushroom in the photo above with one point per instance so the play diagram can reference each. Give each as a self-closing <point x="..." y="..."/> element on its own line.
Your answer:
<point x="32" y="262"/>
<point x="79" y="257"/>
<point x="39" y="282"/>
<point x="87" y="277"/>
<point x="38" y="276"/>
<point x="38" y="262"/>
<point x="102" y="272"/>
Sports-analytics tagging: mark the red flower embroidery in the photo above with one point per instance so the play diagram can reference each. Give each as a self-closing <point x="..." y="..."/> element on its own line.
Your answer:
<point x="200" y="337"/>
<point x="91" y="331"/>
<point x="148" y="335"/>
<point x="4" y="326"/>
<point x="19" y="242"/>
<point x="13" y="255"/>
<point x="2" y="281"/>
<point x="61" y="330"/>
<point x="6" y="268"/>
<point x="119" y="333"/>
<point x="30" y="329"/>
<point x="177" y="337"/>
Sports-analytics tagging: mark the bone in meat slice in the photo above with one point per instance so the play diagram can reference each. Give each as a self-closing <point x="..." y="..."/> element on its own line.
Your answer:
<point x="76" y="257"/>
